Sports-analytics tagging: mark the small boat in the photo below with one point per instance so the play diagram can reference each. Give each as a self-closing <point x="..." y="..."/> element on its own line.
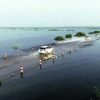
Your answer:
<point x="46" y="49"/>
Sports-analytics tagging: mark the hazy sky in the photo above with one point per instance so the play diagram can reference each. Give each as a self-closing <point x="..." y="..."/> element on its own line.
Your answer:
<point x="49" y="13"/>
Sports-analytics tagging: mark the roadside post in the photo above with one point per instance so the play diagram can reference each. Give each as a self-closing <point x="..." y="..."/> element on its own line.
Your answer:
<point x="0" y="82"/>
<point x="32" y="49"/>
<point x="40" y="64"/>
<point x="5" y="56"/>
<point x="21" y="52"/>
<point x="53" y="59"/>
<point x="21" y="71"/>
<point x="62" y="54"/>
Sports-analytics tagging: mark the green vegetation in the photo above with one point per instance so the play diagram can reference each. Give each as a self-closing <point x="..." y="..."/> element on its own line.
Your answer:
<point x="80" y="34"/>
<point x="97" y="92"/>
<point x="36" y="29"/>
<point x="59" y="38"/>
<point x="95" y="32"/>
<point x="91" y="33"/>
<point x="15" y="47"/>
<point x="0" y="82"/>
<point x="68" y="36"/>
<point x="53" y="29"/>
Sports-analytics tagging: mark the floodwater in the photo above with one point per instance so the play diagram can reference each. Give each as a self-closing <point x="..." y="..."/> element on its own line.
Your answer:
<point x="70" y="78"/>
<point x="26" y="38"/>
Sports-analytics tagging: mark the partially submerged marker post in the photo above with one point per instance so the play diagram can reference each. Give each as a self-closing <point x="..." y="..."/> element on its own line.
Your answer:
<point x="21" y="52"/>
<point x="40" y="64"/>
<point x="5" y="56"/>
<point x="21" y="71"/>
<point x="53" y="59"/>
<point x="69" y="51"/>
<point x="32" y="49"/>
<point x="0" y="82"/>
<point x="12" y="75"/>
<point x="62" y="54"/>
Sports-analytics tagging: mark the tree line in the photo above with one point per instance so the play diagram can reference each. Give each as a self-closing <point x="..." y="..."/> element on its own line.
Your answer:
<point x="61" y="38"/>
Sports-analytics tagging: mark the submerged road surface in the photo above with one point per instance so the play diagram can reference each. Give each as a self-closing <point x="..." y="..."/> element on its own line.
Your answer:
<point x="69" y="78"/>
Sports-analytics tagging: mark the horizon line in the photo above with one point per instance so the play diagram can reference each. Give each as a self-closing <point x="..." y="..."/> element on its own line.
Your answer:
<point x="43" y="26"/>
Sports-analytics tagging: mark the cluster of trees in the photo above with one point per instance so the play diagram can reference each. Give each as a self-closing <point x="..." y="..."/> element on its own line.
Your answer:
<point x="61" y="38"/>
<point x="15" y="47"/>
<point x="68" y="36"/>
<point x="95" y="32"/>
<point x="53" y="29"/>
<point x="80" y="34"/>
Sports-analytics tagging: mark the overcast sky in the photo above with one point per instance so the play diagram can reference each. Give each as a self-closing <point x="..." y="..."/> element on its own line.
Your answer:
<point x="49" y="13"/>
